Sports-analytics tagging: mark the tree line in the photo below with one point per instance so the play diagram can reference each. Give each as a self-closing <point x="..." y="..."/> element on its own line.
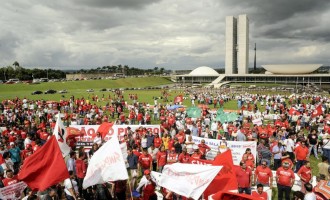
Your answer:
<point x="18" y="72"/>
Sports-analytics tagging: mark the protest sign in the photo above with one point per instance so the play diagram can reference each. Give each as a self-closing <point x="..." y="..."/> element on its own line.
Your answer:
<point x="12" y="192"/>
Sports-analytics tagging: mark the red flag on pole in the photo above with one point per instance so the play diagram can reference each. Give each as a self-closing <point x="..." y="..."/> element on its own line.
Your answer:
<point x="294" y="111"/>
<point x="226" y="179"/>
<point x="104" y="128"/>
<point x="73" y="132"/>
<point x="222" y="195"/>
<point x="178" y="99"/>
<point x="318" y="111"/>
<point x="45" y="167"/>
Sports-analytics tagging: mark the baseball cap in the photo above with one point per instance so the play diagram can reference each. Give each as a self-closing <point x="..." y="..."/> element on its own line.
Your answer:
<point x="146" y="172"/>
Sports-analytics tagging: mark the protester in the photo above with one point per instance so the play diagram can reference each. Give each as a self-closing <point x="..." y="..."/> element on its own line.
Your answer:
<point x="71" y="187"/>
<point x="263" y="175"/>
<point x="260" y="192"/>
<point x="244" y="177"/>
<point x="285" y="180"/>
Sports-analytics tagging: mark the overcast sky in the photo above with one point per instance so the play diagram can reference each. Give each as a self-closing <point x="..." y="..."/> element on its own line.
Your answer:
<point x="174" y="34"/>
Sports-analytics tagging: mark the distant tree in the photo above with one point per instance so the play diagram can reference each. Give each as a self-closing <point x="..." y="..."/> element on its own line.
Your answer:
<point x="16" y="64"/>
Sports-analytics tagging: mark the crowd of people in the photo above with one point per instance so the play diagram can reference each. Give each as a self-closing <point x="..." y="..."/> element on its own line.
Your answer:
<point x="291" y="133"/>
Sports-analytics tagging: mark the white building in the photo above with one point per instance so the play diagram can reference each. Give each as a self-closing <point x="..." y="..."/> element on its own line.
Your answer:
<point x="237" y="45"/>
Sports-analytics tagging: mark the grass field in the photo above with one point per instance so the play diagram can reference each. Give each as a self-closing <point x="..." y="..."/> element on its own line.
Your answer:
<point x="78" y="89"/>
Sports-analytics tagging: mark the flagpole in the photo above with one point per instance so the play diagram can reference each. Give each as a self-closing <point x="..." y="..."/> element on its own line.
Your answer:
<point x="130" y="189"/>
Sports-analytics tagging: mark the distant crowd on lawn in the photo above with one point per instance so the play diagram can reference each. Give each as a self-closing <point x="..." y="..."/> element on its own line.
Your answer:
<point x="299" y="127"/>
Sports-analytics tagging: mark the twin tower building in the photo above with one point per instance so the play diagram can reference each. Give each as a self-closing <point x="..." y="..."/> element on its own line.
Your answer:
<point x="237" y="45"/>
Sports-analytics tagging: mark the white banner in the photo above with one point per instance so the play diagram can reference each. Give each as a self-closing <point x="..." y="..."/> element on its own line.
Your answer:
<point x="237" y="148"/>
<point x="257" y="121"/>
<point x="12" y="192"/>
<point x="107" y="164"/>
<point x="120" y="130"/>
<point x="61" y="134"/>
<point x="187" y="179"/>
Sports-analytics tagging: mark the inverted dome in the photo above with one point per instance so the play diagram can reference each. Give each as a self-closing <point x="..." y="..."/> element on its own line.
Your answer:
<point x="292" y="68"/>
<point x="203" y="71"/>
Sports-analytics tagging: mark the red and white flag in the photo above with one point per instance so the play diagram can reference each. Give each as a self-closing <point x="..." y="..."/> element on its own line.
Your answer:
<point x="107" y="164"/>
<point x="178" y="99"/>
<point x="45" y="167"/>
<point x="187" y="179"/>
<point x="318" y="111"/>
<point x="61" y="135"/>
<point x="293" y="111"/>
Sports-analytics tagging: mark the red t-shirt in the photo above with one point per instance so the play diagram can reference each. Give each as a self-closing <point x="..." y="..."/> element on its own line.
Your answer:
<point x="196" y="155"/>
<point x="263" y="174"/>
<point x="184" y="158"/>
<point x="305" y="173"/>
<point x="203" y="148"/>
<point x="81" y="168"/>
<point x="301" y="152"/>
<point x="172" y="158"/>
<point x="10" y="181"/>
<point x="137" y="153"/>
<point x="263" y="195"/>
<point x="161" y="158"/>
<point x="243" y="177"/>
<point x="284" y="176"/>
<point x="157" y="142"/>
<point x="145" y="161"/>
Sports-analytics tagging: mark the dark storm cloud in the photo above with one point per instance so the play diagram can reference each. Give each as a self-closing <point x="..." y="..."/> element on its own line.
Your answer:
<point x="125" y="4"/>
<point x="285" y="19"/>
<point x="174" y="34"/>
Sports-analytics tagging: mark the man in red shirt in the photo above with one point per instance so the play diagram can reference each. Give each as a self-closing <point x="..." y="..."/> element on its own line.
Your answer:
<point x="161" y="159"/>
<point x="11" y="179"/>
<point x="244" y="178"/>
<point x="145" y="161"/>
<point x="26" y="152"/>
<point x="203" y="148"/>
<point x="260" y="192"/>
<point x="184" y="157"/>
<point x="263" y="175"/>
<point x="157" y="141"/>
<point x="81" y="169"/>
<point x="305" y="175"/>
<point x="285" y="180"/>
<point x="301" y="153"/>
<point x="172" y="156"/>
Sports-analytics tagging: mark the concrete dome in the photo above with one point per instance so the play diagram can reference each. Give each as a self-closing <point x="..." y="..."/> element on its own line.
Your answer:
<point x="203" y="71"/>
<point x="291" y="68"/>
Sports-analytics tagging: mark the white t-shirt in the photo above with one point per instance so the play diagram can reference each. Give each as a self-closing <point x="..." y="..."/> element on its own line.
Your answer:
<point x="68" y="185"/>
<point x="289" y="145"/>
<point x="310" y="196"/>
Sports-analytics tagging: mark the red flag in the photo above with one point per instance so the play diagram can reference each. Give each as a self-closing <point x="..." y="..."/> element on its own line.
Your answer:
<point x="221" y="195"/>
<point x="178" y="98"/>
<point x="73" y="132"/>
<point x="104" y="128"/>
<point x="318" y="111"/>
<point x="294" y="111"/>
<point x="45" y="167"/>
<point x="226" y="179"/>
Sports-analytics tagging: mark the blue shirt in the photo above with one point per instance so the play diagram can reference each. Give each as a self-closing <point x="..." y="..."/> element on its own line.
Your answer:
<point x="15" y="154"/>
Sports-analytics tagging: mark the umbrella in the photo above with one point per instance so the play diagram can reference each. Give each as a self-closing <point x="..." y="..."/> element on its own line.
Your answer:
<point x="174" y="107"/>
<point x="194" y="112"/>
